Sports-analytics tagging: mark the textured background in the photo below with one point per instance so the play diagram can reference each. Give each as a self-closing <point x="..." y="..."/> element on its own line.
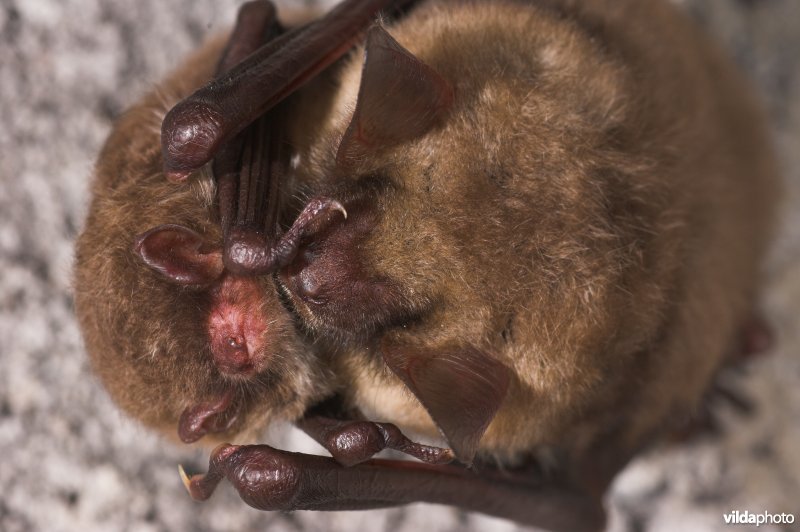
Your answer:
<point x="70" y="461"/>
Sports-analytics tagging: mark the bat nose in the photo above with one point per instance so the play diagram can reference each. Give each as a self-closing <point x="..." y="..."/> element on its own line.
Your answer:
<point x="237" y="325"/>
<point x="232" y="356"/>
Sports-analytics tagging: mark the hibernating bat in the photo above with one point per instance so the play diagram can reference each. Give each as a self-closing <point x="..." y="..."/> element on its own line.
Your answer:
<point x="149" y="339"/>
<point x="555" y="212"/>
<point x="179" y="340"/>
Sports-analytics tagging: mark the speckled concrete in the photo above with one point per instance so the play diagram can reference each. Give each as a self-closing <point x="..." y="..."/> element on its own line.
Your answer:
<point x="70" y="461"/>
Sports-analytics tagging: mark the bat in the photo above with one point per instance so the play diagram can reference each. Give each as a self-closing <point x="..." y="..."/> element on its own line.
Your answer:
<point x="554" y="211"/>
<point x="148" y="336"/>
<point x="179" y="339"/>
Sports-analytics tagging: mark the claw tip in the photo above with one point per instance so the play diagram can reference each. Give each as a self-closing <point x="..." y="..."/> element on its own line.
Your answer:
<point x="185" y="478"/>
<point x="339" y="207"/>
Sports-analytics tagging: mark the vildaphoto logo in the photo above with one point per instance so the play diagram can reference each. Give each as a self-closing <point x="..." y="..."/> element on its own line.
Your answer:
<point x="746" y="517"/>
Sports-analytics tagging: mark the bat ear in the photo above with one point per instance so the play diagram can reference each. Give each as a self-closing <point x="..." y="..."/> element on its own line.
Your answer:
<point x="400" y="98"/>
<point x="461" y="388"/>
<point x="181" y="255"/>
<point x="214" y="416"/>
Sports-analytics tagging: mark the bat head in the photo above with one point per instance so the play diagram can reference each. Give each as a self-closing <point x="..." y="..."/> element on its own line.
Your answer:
<point x="176" y="341"/>
<point x="469" y="172"/>
<point x="339" y="283"/>
<point x="331" y="282"/>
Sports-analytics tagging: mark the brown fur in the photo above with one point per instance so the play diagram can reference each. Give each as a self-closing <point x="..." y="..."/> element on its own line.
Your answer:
<point x="591" y="212"/>
<point x="147" y="338"/>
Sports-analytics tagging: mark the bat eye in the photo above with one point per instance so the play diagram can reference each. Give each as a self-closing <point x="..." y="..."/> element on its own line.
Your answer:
<point x="309" y="287"/>
<point x="305" y="281"/>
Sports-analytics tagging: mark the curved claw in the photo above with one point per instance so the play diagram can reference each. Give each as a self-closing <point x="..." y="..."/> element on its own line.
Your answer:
<point x="249" y="253"/>
<point x="201" y="487"/>
<point x="187" y="482"/>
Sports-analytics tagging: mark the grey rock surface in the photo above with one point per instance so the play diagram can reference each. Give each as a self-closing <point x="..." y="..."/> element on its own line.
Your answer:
<point x="70" y="461"/>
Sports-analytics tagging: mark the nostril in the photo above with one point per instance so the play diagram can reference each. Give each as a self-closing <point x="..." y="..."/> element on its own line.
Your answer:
<point x="232" y="356"/>
<point x="230" y="351"/>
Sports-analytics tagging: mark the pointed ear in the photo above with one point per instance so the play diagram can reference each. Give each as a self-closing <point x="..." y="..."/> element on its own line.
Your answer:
<point x="400" y="98"/>
<point x="461" y="388"/>
<point x="181" y="255"/>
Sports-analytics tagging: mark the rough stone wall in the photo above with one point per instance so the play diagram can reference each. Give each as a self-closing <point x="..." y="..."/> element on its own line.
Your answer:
<point x="70" y="461"/>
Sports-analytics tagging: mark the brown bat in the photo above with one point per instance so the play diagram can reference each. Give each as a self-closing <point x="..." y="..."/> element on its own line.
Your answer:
<point x="555" y="211"/>
<point x="177" y="336"/>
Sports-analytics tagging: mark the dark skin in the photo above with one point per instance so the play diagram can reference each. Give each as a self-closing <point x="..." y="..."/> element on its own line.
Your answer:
<point x="270" y="479"/>
<point x="194" y="131"/>
<point x="318" y="263"/>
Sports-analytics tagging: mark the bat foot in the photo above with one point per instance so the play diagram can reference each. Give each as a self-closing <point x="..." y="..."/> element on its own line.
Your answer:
<point x="271" y="479"/>
<point x="266" y="478"/>
<point x="356" y="442"/>
<point x="353" y="442"/>
<point x="201" y="487"/>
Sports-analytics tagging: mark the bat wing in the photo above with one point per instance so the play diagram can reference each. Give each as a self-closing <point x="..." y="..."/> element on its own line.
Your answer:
<point x="461" y="388"/>
<point x="195" y="129"/>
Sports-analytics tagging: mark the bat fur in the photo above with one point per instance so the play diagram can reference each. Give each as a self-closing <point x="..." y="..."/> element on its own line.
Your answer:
<point x="590" y="212"/>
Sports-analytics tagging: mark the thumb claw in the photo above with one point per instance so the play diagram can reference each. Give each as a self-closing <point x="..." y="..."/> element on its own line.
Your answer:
<point x="335" y="205"/>
<point x="187" y="483"/>
<point x="193" y="483"/>
<point x="315" y="216"/>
